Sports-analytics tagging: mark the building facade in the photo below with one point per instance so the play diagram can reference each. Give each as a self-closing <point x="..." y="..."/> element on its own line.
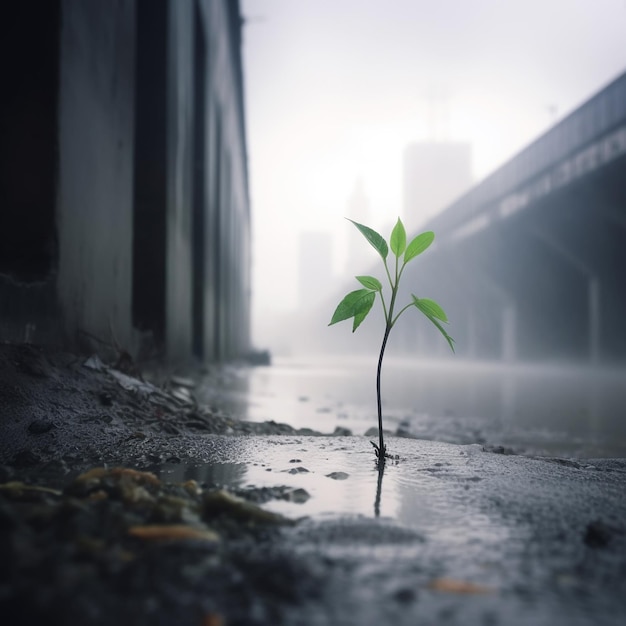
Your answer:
<point x="125" y="215"/>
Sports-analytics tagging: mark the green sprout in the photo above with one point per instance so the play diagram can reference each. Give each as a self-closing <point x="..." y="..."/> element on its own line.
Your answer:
<point x="357" y="304"/>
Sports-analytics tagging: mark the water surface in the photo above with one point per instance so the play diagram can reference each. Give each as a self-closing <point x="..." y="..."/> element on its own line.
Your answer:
<point x="548" y="409"/>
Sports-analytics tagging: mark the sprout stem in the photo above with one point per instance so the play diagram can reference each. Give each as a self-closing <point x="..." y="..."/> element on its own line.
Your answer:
<point x="381" y="450"/>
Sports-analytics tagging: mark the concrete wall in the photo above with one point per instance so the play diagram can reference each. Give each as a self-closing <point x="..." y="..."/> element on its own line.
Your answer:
<point x="29" y="66"/>
<point x="95" y="180"/>
<point x="207" y="189"/>
<point x="145" y="222"/>
<point x="228" y="236"/>
<point x="179" y="138"/>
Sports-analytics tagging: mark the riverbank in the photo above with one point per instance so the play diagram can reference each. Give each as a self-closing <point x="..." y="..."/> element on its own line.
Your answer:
<point x="215" y="521"/>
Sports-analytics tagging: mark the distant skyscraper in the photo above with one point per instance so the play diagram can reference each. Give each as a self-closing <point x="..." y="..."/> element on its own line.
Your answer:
<point x="358" y="210"/>
<point x="314" y="268"/>
<point x="435" y="174"/>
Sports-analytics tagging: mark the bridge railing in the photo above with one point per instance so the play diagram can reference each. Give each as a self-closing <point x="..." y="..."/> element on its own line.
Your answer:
<point x="600" y="115"/>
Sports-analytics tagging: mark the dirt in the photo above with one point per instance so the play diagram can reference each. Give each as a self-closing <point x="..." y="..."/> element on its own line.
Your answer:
<point x="87" y="536"/>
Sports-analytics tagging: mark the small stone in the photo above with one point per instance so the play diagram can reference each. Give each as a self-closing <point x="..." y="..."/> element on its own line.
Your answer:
<point x="182" y="394"/>
<point x="598" y="534"/>
<point x="172" y="532"/>
<point x="40" y="426"/>
<point x="299" y="470"/>
<point x="499" y="450"/>
<point x="18" y="490"/>
<point x="454" y="586"/>
<point x="106" y="399"/>
<point x="405" y="595"/>
<point x="223" y="503"/>
<point x="94" y="363"/>
<point x="340" y="431"/>
<point x="338" y="475"/>
<point x="403" y="432"/>
<point x="307" y="432"/>
<point x="299" y="496"/>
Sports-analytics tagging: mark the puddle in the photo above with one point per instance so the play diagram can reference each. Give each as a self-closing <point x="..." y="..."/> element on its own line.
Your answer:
<point x="302" y="462"/>
<point x="458" y="511"/>
<point x="429" y="490"/>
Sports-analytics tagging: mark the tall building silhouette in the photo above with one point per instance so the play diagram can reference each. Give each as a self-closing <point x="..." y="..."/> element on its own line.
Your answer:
<point x="435" y="174"/>
<point x="314" y="268"/>
<point x="359" y="253"/>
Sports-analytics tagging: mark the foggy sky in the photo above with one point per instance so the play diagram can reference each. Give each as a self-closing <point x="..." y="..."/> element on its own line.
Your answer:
<point x="336" y="89"/>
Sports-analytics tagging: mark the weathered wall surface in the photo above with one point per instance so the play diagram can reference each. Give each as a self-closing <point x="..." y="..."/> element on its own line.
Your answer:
<point x="28" y="154"/>
<point x="94" y="210"/>
<point x="180" y="136"/>
<point x="141" y="225"/>
<point x="228" y="236"/>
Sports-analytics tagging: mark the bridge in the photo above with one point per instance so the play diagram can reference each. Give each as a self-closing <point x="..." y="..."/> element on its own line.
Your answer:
<point x="531" y="262"/>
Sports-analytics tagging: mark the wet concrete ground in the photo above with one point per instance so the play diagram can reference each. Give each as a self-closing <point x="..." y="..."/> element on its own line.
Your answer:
<point x="309" y="532"/>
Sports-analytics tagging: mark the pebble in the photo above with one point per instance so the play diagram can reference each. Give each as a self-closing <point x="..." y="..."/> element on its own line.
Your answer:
<point x="40" y="426"/>
<point x="338" y="475"/>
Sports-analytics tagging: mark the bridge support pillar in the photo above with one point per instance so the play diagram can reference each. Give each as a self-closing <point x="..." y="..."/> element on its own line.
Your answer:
<point x="471" y="333"/>
<point x="593" y="291"/>
<point x="572" y="258"/>
<point x="509" y="333"/>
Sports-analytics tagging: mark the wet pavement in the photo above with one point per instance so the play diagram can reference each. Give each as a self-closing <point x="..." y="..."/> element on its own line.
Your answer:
<point x="452" y="534"/>
<point x="241" y="525"/>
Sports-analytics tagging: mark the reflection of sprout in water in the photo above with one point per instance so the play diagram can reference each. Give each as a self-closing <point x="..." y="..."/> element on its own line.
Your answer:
<point x="218" y="474"/>
<point x="379" y="489"/>
<point x="225" y="473"/>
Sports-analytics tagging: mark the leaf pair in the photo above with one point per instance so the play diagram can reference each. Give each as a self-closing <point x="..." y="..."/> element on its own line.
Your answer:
<point x="397" y="241"/>
<point x="357" y="304"/>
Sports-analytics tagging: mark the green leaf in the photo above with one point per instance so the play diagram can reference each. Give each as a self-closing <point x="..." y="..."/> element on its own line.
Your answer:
<point x="356" y="304"/>
<point x="370" y="282"/>
<point x="425" y="309"/>
<point x="397" y="241"/>
<point x="373" y="237"/>
<point x="442" y="330"/>
<point x="366" y="307"/>
<point x="418" y="245"/>
<point x="430" y="307"/>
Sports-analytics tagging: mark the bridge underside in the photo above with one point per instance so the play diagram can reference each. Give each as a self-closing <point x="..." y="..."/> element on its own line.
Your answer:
<point x="545" y="282"/>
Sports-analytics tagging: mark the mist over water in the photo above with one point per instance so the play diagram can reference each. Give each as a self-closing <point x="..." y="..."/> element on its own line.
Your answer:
<point x="371" y="111"/>
<point x="553" y="410"/>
